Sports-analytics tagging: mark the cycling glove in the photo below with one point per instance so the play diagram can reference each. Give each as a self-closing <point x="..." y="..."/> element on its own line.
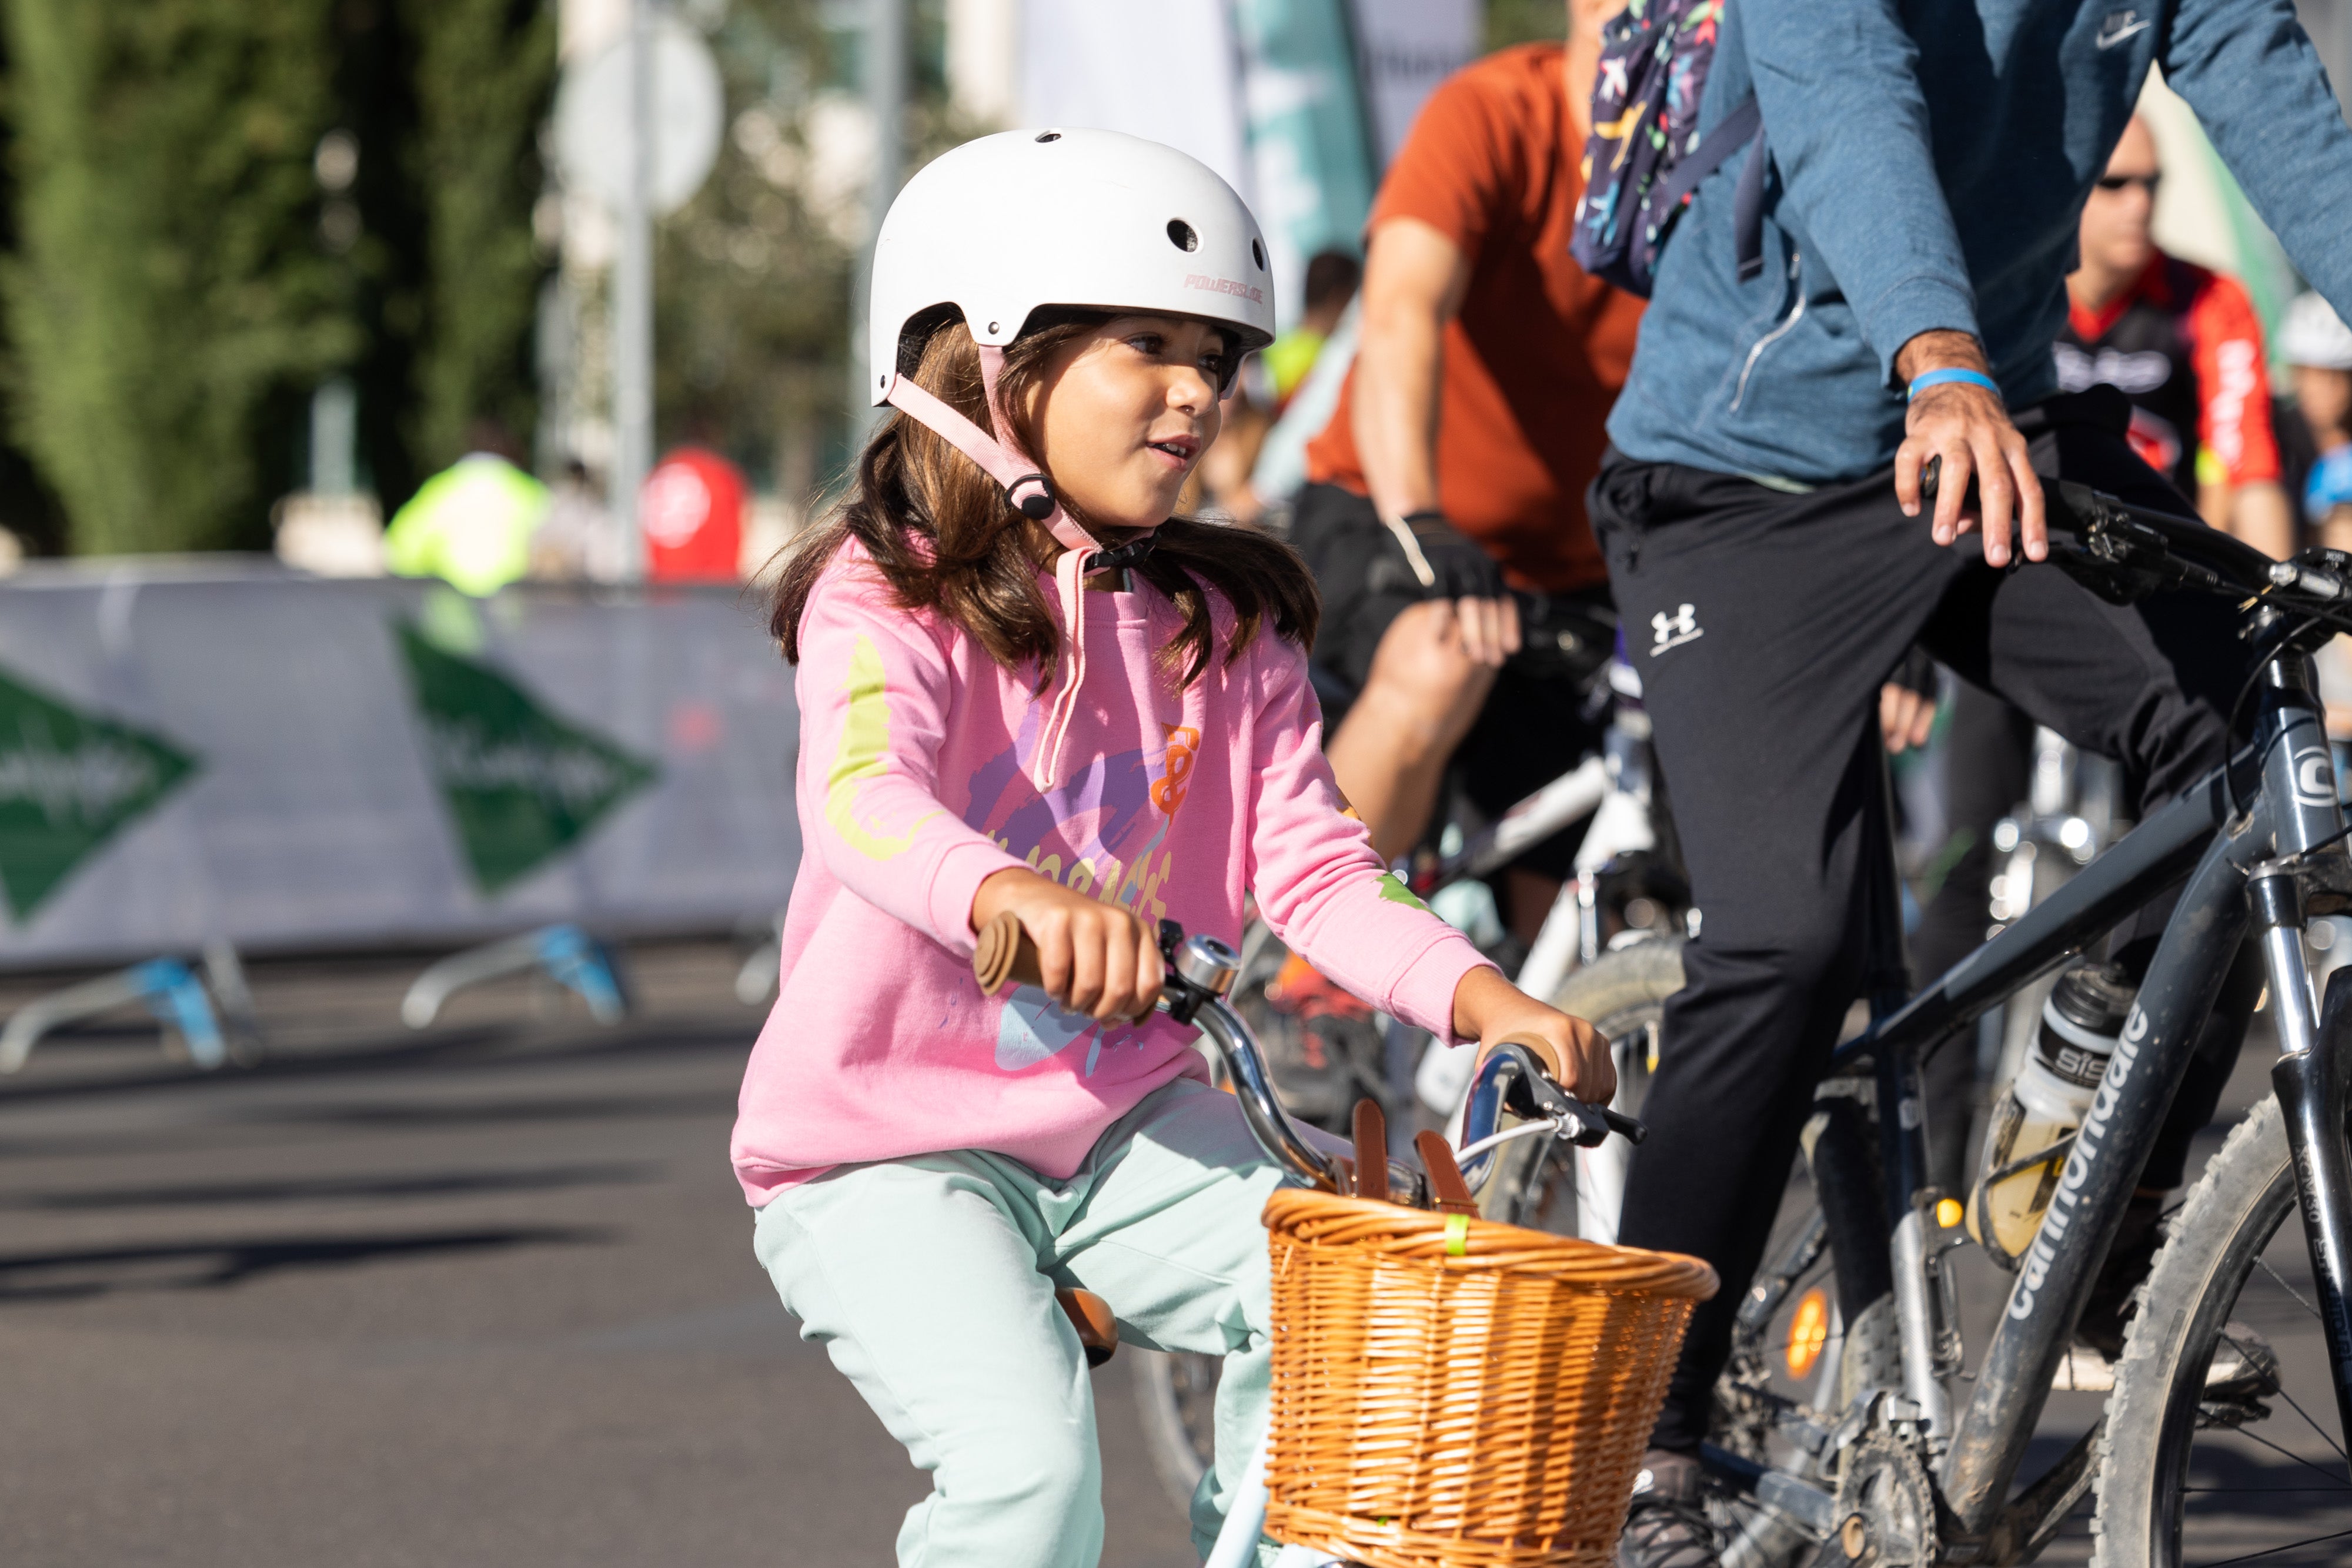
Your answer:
<point x="1445" y="562"/>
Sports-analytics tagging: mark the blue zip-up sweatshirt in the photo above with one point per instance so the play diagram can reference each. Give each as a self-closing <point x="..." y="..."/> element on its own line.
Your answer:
<point x="1929" y="162"/>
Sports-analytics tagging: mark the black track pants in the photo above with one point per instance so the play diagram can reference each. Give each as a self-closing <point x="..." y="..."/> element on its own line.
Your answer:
<point x="1763" y="624"/>
<point x="1987" y="758"/>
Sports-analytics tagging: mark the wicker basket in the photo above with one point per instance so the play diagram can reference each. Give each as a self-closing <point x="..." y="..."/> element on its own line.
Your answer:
<point x="1452" y="1392"/>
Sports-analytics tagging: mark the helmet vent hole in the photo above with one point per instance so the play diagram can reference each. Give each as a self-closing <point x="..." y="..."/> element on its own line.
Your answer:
<point x="1181" y="234"/>
<point x="1257" y="252"/>
<point x="1049" y="136"/>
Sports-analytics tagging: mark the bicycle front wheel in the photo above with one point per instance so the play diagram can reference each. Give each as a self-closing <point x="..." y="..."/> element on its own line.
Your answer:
<point x="1624" y="996"/>
<point x="2223" y="1442"/>
<point x="1176" y="1396"/>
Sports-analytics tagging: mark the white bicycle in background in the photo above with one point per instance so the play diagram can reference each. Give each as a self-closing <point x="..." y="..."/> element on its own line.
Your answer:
<point x="1612" y="934"/>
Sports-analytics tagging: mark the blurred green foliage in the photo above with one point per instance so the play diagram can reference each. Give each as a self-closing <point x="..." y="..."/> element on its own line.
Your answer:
<point x="165" y="279"/>
<point x="752" y="276"/>
<point x="1512" y="22"/>
<point x="485" y="80"/>
<point x="178" y="272"/>
<point x="182" y="279"/>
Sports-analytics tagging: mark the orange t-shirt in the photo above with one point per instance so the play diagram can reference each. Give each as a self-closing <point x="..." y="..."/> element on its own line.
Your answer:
<point x="1535" y="358"/>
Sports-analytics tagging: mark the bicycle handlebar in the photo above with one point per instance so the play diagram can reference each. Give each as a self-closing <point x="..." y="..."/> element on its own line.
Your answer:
<point x="2124" y="537"/>
<point x="2132" y="549"/>
<point x="1200" y="969"/>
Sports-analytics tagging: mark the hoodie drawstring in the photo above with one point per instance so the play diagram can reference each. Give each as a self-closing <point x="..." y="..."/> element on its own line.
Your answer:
<point x="1024" y="486"/>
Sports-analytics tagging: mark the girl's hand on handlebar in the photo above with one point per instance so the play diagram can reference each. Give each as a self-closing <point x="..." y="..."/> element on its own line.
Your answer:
<point x="1487" y="1007"/>
<point x="1096" y="959"/>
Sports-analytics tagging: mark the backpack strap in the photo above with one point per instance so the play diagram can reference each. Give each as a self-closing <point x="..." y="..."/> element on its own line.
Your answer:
<point x="1738" y="128"/>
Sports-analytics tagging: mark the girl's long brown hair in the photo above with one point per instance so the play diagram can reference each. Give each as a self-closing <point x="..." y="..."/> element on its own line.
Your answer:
<point x="946" y="539"/>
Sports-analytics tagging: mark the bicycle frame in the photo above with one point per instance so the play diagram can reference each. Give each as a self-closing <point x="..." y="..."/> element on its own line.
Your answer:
<point x="2255" y="838"/>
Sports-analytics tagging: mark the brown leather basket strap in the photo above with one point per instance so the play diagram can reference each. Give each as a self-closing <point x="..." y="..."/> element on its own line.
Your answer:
<point x="1004" y="955"/>
<point x="1091" y="1316"/>
<point x="1449" y="1194"/>
<point x="1371" y="1150"/>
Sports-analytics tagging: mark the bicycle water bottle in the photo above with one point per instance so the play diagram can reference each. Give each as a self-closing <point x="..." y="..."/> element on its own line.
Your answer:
<point x="2043" y="1107"/>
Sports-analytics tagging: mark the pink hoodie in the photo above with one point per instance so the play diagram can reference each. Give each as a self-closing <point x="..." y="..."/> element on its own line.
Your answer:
<point x="916" y="760"/>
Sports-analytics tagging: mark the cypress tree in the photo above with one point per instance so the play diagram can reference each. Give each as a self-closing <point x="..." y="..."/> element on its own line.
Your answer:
<point x="168" y="281"/>
<point x="485" y="80"/>
<point x="176" y="291"/>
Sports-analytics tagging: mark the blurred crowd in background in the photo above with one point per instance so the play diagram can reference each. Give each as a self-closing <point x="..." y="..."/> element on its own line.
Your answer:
<point x="310" y="275"/>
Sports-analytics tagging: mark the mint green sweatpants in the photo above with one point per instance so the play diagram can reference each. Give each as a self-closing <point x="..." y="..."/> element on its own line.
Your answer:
<point x="930" y="1280"/>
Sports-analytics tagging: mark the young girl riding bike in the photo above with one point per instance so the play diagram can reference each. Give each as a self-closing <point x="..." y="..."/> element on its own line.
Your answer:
<point x="1025" y="686"/>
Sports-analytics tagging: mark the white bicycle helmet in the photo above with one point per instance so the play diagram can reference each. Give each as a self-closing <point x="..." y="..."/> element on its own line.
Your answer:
<point x="2316" y="336"/>
<point x="1008" y="222"/>
<point x="1094" y="219"/>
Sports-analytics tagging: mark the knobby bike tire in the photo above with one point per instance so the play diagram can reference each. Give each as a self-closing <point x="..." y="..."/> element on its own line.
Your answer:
<point x="1624" y="993"/>
<point x="2216" y="1242"/>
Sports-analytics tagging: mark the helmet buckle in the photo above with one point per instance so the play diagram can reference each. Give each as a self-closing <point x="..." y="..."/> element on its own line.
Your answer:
<point x="1029" y="497"/>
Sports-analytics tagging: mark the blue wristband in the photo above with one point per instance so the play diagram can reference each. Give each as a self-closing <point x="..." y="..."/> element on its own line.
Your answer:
<point x="1946" y="378"/>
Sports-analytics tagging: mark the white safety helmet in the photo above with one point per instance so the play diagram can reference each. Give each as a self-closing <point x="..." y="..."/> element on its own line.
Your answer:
<point x="2314" y="335"/>
<point x="1003" y="224"/>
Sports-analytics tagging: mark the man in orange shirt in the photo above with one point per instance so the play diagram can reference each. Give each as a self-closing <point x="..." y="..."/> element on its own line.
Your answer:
<point x="1453" y="473"/>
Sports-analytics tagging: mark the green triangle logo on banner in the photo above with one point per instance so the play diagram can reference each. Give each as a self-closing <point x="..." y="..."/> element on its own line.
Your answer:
<point x="69" y="782"/>
<point x="520" y="784"/>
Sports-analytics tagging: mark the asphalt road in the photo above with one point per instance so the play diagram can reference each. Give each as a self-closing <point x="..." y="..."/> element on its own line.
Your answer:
<point x="485" y="1295"/>
<point x="479" y="1296"/>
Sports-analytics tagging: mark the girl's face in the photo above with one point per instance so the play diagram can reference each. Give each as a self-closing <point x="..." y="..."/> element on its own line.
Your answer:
<point x="1126" y="411"/>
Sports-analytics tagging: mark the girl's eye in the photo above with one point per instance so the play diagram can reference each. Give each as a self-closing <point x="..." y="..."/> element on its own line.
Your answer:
<point x="1149" y="344"/>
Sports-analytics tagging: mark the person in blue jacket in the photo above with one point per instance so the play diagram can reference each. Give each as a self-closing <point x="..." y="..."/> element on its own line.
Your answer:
<point x="1772" y="557"/>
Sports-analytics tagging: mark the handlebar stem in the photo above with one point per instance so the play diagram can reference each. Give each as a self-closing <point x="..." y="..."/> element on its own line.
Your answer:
<point x="1255" y="1090"/>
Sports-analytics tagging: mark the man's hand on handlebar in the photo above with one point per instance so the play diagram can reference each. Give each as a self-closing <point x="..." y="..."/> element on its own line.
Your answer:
<point x="1489" y="1009"/>
<point x="1970" y="429"/>
<point x="1094" y="957"/>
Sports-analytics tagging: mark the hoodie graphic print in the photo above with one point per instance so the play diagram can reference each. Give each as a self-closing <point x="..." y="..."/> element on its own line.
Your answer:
<point x="916" y="783"/>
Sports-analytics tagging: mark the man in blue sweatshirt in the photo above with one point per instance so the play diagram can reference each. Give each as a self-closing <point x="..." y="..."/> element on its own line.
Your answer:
<point x="1771" y="555"/>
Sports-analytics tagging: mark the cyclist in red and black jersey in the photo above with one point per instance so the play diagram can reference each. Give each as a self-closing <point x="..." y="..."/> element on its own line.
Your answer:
<point x="2185" y="345"/>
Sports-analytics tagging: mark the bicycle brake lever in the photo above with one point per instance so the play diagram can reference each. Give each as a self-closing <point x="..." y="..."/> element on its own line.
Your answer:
<point x="1624" y="1126"/>
<point x="1533" y="1096"/>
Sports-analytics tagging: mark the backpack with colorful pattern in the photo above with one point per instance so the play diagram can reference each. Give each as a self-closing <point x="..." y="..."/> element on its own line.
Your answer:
<point x="1645" y="156"/>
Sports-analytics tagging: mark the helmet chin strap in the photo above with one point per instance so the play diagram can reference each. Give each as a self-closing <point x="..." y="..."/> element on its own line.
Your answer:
<point x="1024" y="485"/>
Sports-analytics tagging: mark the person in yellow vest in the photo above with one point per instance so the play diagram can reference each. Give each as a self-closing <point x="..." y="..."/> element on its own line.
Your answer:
<point x="470" y="524"/>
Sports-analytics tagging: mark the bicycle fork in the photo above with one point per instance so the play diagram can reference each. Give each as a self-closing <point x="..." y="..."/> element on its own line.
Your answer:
<point x="2313" y="1088"/>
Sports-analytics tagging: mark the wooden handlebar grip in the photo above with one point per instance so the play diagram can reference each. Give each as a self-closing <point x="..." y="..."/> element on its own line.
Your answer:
<point x="1006" y="955"/>
<point x="1003" y="956"/>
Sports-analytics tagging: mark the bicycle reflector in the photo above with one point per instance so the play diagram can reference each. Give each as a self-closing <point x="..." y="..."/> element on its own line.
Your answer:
<point x="1808" y="1332"/>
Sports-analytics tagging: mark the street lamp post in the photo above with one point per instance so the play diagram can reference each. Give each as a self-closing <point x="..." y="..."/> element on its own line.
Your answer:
<point x="885" y="99"/>
<point x="633" y="303"/>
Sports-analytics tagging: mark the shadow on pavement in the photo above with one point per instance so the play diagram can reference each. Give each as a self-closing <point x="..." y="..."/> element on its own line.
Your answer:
<point x="328" y="1190"/>
<point x="212" y="1265"/>
<point x="488" y="1046"/>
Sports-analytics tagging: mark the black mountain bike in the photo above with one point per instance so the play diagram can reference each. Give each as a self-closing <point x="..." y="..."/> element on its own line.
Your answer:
<point x="1908" y="1449"/>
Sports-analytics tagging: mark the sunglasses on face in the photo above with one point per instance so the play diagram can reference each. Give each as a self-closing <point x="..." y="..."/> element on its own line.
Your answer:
<point x="2118" y="182"/>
